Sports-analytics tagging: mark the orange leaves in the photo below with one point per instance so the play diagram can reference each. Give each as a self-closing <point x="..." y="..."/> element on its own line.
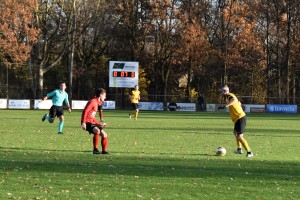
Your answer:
<point x="17" y="32"/>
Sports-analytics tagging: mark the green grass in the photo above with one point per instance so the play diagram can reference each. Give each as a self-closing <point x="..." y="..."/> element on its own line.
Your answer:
<point x="163" y="155"/>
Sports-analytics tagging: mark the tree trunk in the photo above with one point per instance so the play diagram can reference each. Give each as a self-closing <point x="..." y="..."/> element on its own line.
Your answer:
<point x="32" y="85"/>
<point x="294" y="88"/>
<point x="287" y="63"/>
<point x="41" y="81"/>
<point x="188" y="87"/>
<point x="165" y="93"/>
<point x="71" y="52"/>
<point x="165" y="78"/>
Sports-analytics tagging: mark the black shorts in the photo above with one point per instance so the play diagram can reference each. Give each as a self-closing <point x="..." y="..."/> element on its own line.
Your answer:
<point x="135" y="106"/>
<point x="90" y="127"/>
<point x="240" y="125"/>
<point x="56" y="111"/>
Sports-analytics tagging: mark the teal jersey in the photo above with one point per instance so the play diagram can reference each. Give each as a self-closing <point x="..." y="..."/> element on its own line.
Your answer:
<point x="58" y="97"/>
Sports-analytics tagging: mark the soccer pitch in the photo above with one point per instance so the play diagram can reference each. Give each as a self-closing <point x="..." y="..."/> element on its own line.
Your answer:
<point x="162" y="155"/>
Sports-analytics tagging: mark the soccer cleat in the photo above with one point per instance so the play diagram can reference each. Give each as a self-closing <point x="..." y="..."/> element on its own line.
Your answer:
<point x="60" y="133"/>
<point x="238" y="151"/>
<point x="129" y="115"/>
<point x="249" y="154"/>
<point x="96" y="151"/>
<point x="43" y="119"/>
<point x="105" y="152"/>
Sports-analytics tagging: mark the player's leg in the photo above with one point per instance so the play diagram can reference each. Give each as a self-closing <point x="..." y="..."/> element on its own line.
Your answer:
<point x="60" y="114"/>
<point x="104" y="141"/>
<point x="96" y="131"/>
<point x="136" y="111"/>
<point x="61" y="124"/>
<point x="245" y="144"/>
<point x="237" y="128"/>
<point x="238" y="144"/>
<point x="52" y="113"/>
<point x="133" y="112"/>
<point x="240" y="136"/>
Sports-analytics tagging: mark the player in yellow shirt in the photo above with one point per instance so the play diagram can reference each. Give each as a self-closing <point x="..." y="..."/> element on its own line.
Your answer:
<point x="135" y="97"/>
<point x="238" y="117"/>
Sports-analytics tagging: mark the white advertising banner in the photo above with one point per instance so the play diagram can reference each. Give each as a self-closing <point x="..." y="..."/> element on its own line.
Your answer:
<point x="19" y="104"/>
<point x="211" y="107"/>
<point x="79" y="105"/>
<point x="182" y="106"/>
<point x="123" y="74"/>
<point x="42" y="104"/>
<point x="3" y="103"/>
<point x="214" y="108"/>
<point x="151" y="106"/>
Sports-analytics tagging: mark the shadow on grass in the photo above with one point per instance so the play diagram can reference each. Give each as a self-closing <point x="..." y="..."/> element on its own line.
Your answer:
<point x="216" y="131"/>
<point x="149" y="165"/>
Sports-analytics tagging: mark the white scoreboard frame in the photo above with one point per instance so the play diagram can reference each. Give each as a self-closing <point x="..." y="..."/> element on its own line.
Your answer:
<point x="123" y="69"/>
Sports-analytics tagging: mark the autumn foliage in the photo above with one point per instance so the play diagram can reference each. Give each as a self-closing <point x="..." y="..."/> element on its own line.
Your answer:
<point x="17" y="31"/>
<point x="183" y="46"/>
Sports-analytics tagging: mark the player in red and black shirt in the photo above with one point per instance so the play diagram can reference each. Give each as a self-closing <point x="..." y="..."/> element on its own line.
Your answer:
<point x="90" y="124"/>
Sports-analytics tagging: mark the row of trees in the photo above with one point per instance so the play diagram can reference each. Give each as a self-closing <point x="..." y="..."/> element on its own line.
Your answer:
<point x="183" y="46"/>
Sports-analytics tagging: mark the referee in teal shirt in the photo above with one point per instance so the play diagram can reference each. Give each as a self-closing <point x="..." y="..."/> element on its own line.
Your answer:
<point x="59" y="96"/>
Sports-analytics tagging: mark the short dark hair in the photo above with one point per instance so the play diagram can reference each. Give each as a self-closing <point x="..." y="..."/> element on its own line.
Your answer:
<point x="62" y="82"/>
<point x="99" y="91"/>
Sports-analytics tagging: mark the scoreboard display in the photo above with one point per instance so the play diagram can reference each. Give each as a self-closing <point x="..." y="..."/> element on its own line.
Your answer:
<point x="123" y="74"/>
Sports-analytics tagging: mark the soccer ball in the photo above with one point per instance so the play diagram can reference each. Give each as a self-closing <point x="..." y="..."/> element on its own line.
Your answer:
<point x="220" y="151"/>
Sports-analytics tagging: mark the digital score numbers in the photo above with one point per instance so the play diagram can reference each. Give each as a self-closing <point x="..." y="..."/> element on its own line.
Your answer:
<point x="123" y="74"/>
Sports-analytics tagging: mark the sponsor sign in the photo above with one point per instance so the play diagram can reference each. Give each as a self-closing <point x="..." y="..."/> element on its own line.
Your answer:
<point x="3" y="103"/>
<point x="109" y="105"/>
<point x="123" y="74"/>
<point x="42" y="104"/>
<point x="19" y="104"/>
<point x="257" y="110"/>
<point x="211" y="107"/>
<point x="282" y="108"/>
<point x="182" y="106"/>
<point x="253" y="108"/>
<point x="79" y="105"/>
<point x="151" y="106"/>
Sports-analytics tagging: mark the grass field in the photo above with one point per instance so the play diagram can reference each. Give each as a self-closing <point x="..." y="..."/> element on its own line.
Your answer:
<point x="162" y="155"/>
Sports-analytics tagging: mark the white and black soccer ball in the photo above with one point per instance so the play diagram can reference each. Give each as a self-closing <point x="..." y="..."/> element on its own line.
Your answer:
<point x="220" y="151"/>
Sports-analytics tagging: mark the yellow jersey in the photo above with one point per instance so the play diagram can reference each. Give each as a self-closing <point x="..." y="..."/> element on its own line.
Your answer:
<point x="236" y="110"/>
<point x="135" y="94"/>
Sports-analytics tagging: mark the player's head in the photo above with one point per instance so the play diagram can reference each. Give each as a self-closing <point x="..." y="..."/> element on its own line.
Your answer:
<point x="62" y="86"/>
<point x="100" y="93"/>
<point x="136" y="87"/>
<point x="225" y="90"/>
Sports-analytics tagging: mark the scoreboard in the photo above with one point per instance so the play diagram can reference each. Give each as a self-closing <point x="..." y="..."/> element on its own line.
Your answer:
<point x="123" y="74"/>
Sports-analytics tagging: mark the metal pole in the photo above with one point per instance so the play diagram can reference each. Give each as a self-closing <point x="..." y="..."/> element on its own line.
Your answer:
<point x="268" y="52"/>
<point x="7" y="96"/>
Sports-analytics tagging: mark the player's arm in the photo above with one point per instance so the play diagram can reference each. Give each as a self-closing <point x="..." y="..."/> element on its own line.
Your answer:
<point x="51" y="94"/>
<point x="99" y="123"/>
<point x="85" y="112"/>
<point x="232" y="101"/>
<point x="131" y="96"/>
<point x="83" y="117"/>
<point x="100" y="113"/>
<point x="68" y="103"/>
